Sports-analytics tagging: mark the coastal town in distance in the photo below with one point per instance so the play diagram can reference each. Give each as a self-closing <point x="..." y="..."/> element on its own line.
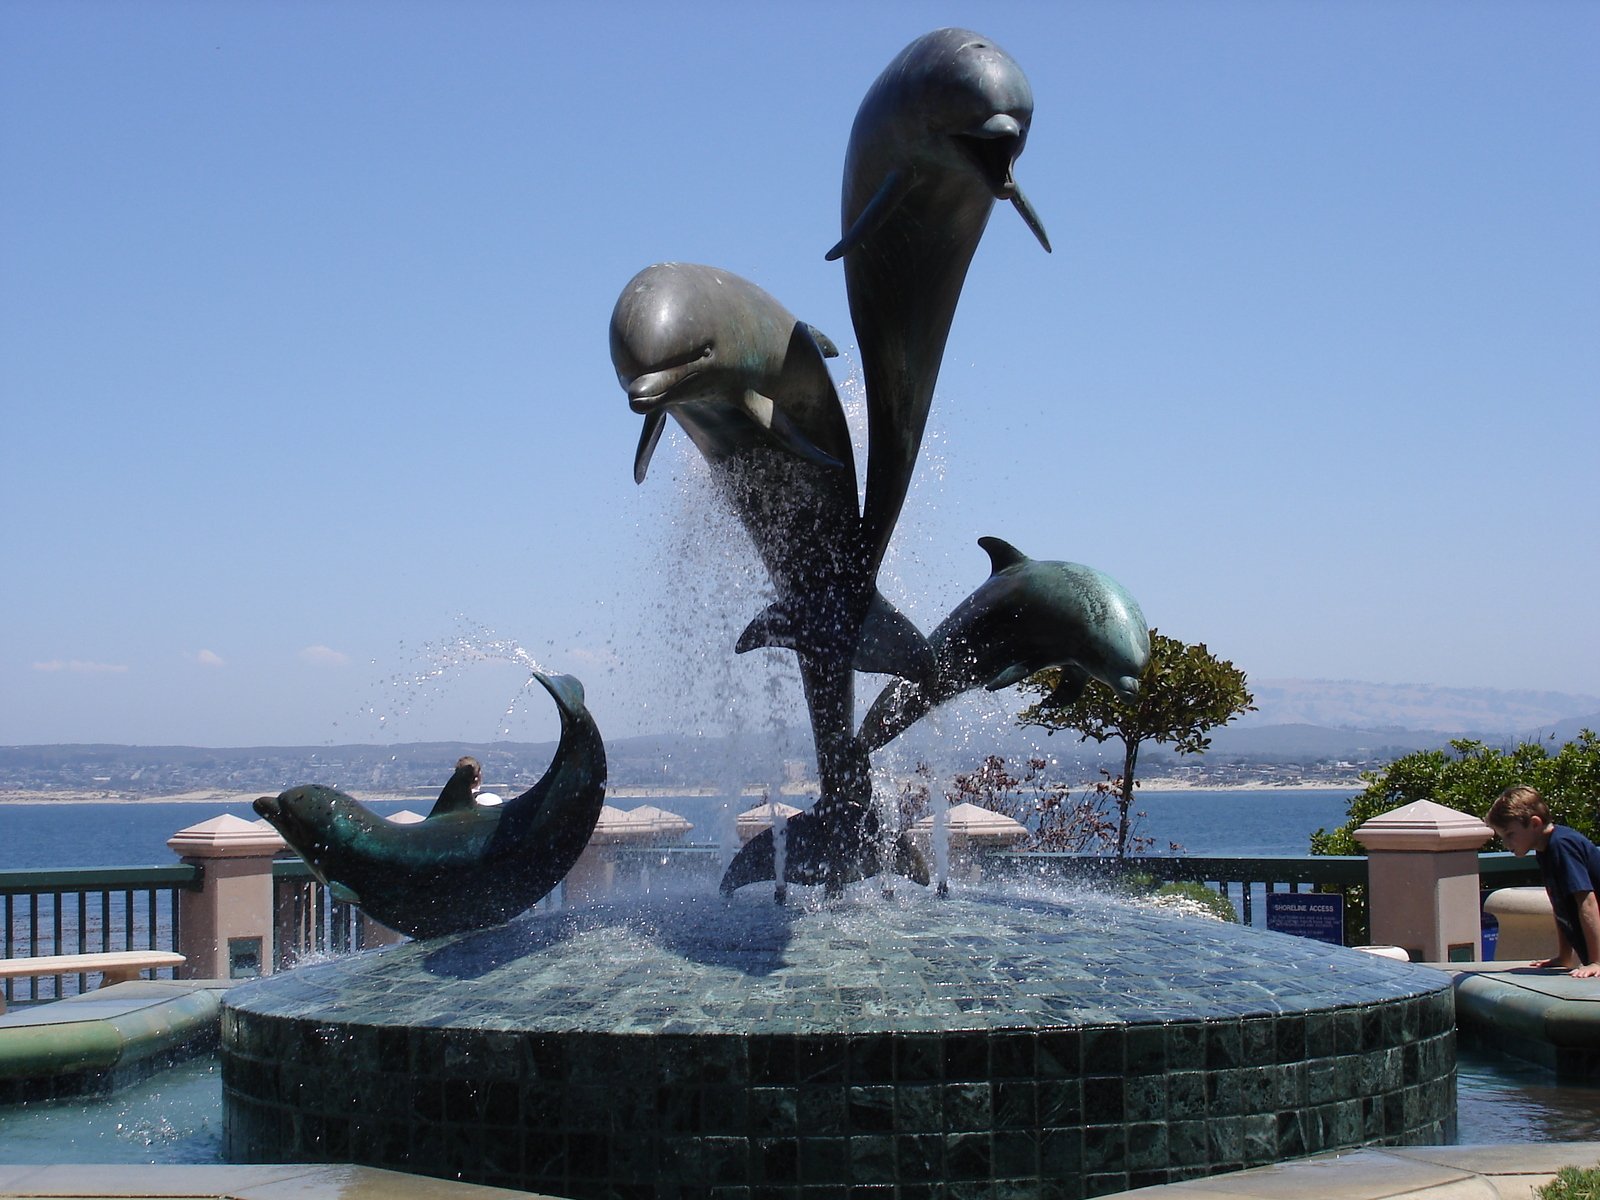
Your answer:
<point x="1303" y="734"/>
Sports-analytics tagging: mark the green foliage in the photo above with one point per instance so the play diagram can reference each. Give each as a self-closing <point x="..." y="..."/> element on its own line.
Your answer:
<point x="1184" y="693"/>
<point x="1572" y="1183"/>
<point x="1469" y="776"/>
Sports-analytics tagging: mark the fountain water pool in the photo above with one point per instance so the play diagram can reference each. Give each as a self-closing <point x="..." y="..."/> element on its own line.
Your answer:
<point x="1008" y="1042"/>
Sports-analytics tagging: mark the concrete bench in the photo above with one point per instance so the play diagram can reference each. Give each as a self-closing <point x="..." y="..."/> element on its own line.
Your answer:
<point x="116" y="966"/>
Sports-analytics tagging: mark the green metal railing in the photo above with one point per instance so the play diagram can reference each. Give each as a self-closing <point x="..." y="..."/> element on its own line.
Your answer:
<point x="86" y="910"/>
<point x="307" y="918"/>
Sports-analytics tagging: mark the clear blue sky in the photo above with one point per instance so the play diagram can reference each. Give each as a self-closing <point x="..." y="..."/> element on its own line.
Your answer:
<point x="304" y="366"/>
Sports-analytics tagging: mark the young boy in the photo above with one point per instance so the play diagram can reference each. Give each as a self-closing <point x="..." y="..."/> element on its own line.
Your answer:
<point x="1570" y="864"/>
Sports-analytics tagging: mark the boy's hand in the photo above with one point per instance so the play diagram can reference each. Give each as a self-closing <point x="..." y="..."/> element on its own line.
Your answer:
<point x="1557" y="961"/>
<point x="1587" y="971"/>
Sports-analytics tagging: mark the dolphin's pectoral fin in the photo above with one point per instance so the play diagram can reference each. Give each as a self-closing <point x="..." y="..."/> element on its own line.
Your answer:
<point x="898" y="707"/>
<point x="648" y="437"/>
<point x="1002" y="554"/>
<point x="823" y="342"/>
<point x="890" y="193"/>
<point x="1015" y="673"/>
<point x="1020" y="203"/>
<point x="343" y="894"/>
<point x="785" y="432"/>
<point x="772" y="628"/>
<point x="1074" y="679"/>
<point x="891" y="645"/>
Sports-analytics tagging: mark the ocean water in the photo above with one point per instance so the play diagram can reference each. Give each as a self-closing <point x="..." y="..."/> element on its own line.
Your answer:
<point x="134" y="833"/>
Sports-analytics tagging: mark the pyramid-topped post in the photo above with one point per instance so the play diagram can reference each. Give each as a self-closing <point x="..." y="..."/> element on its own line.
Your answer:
<point x="1422" y="876"/>
<point x="225" y="928"/>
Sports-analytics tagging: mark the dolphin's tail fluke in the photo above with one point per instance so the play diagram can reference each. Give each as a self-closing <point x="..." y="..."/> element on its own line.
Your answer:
<point x="889" y="645"/>
<point x="825" y="850"/>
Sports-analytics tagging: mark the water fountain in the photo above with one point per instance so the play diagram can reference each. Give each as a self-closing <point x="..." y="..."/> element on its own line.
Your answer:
<point x="1013" y="1042"/>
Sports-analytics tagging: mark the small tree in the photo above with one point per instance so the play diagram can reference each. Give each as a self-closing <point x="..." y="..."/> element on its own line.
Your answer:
<point x="1054" y="819"/>
<point x="1184" y="693"/>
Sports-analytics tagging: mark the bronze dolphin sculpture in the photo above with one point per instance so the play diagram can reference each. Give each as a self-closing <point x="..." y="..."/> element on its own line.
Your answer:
<point x="461" y="869"/>
<point x="932" y="148"/>
<point x="812" y="851"/>
<point x="748" y="383"/>
<point x="1028" y="615"/>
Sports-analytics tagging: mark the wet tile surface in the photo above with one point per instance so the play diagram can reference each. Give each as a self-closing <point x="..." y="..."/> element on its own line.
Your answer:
<point x="992" y="1046"/>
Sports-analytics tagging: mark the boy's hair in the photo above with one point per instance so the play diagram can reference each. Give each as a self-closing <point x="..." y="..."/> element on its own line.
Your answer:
<point x="1520" y="804"/>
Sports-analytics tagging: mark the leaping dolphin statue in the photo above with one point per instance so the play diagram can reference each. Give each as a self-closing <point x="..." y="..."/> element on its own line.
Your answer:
<point x="1027" y="616"/>
<point x="749" y="384"/>
<point x="466" y="867"/>
<point x="932" y="149"/>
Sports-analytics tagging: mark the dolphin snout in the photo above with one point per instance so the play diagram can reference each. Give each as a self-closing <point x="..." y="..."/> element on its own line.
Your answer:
<point x="266" y="806"/>
<point x="650" y="390"/>
<point x="1001" y="125"/>
<point x="1128" y="687"/>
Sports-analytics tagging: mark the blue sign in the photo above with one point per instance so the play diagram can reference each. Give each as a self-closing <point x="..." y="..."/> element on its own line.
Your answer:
<point x="1318" y="915"/>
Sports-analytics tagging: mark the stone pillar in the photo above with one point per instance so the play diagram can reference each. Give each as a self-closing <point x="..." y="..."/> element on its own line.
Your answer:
<point x="225" y="929"/>
<point x="1527" y="924"/>
<point x="1422" y="874"/>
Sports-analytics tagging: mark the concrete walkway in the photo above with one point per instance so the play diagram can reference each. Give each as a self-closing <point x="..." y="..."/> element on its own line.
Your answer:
<point x="1421" y="1173"/>
<point x="235" y="1183"/>
<point x="1413" y="1173"/>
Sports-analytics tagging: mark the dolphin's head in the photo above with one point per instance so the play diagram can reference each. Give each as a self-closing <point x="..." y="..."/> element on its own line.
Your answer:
<point x="967" y="104"/>
<point x="683" y="332"/>
<point x="1117" y="645"/>
<point x="975" y="98"/>
<point x="304" y="817"/>
<point x="657" y="353"/>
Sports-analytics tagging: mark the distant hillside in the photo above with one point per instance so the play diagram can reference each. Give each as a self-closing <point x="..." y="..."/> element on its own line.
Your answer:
<point x="1340" y="704"/>
<point x="1305" y="730"/>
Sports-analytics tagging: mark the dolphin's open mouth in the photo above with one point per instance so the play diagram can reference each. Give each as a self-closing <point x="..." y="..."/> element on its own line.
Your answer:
<point x="993" y="148"/>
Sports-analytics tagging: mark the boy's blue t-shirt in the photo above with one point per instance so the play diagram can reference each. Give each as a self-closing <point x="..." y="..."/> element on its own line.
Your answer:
<point x="1570" y="864"/>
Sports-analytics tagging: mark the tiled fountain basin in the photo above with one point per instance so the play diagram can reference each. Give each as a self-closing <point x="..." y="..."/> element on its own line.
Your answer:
<point x="991" y="1045"/>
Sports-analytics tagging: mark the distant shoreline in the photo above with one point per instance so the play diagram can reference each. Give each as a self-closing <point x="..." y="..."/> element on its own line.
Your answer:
<point x="804" y="790"/>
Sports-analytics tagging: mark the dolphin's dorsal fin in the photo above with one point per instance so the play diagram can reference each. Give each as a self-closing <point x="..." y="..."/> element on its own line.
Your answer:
<point x="1002" y="554"/>
<point x="648" y="437"/>
<point x="1074" y="679"/>
<point x="890" y="193"/>
<point x="456" y="795"/>
<point x="1020" y="203"/>
<point x="1015" y="673"/>
<point x="891" y="645"/>
<point x="823" y="342"/>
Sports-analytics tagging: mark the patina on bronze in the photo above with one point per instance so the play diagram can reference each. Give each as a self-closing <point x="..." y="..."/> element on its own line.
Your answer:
<point x="1027" y="616"/>
<point x="468" y="867"/>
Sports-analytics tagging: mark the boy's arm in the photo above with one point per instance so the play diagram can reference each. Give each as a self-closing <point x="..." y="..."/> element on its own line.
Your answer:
<point x="1589" y="922"/>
